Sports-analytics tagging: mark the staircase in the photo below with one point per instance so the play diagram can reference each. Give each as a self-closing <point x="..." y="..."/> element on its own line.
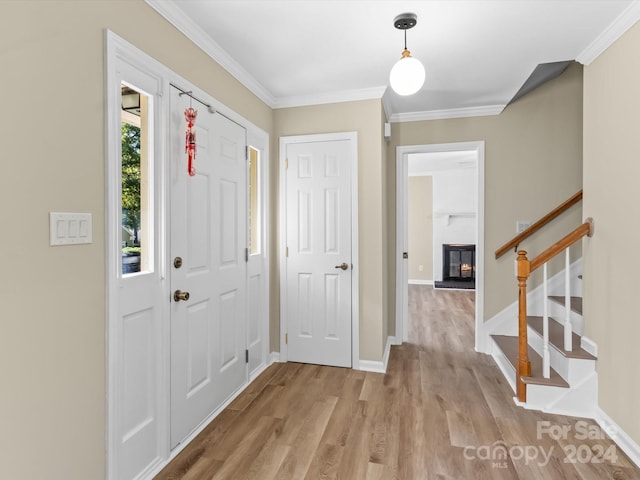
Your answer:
<point x="543" y="354"/>
<point x="571" y="388"/>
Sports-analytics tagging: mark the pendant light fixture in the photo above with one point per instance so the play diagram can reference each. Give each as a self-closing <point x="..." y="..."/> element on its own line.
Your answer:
<point x="407" y="75"/>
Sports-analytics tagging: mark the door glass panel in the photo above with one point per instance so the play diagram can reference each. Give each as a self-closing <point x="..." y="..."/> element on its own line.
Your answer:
<point x="255" y="207"/>
<point x="136" y="235"/>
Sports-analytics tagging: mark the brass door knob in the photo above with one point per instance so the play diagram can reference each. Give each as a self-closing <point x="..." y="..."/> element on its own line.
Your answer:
<point x="179" y="295"/>
<point x="343" y="266"/>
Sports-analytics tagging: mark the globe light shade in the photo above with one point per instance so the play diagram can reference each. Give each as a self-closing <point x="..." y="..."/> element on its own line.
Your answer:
<point x="407" y="75"/>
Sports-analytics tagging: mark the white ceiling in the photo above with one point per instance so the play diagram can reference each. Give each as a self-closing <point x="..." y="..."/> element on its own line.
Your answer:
<point x="477" y="53"/>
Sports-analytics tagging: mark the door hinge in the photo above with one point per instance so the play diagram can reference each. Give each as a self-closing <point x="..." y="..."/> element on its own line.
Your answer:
<point x="246" y="153"/>
<point x="286" y="164"/>
<point x="286" y="251"/>
<point x="246" y="356"/>
<point x="286" y="338"/>
<point x="246" y="255"/>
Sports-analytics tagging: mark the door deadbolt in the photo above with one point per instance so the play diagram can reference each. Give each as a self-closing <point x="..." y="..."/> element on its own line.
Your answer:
<point x="343" y="266"/>
<point x="179" y="295"/>
<point x="177" y="262"/>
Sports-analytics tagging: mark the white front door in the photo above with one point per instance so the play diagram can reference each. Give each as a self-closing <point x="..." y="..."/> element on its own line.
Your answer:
<point x="318" y="262"/>
<point x="207" y="261"/>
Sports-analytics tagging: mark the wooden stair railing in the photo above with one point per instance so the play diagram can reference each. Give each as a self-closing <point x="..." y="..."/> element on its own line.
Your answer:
<point x="515" y="241"/>
<point x="524" y="268"/>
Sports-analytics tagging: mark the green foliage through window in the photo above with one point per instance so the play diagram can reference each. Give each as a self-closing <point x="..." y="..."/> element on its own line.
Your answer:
<point x="131" y="179"/>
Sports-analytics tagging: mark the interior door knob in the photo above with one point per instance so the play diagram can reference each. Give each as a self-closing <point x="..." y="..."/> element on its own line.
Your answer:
<point x="179" y="295"/>
<point x="343" y="266"/>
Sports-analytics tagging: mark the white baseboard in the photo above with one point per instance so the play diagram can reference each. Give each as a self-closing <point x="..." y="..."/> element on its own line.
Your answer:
<point x="274" y="357"/>
<point x="420" y="282"/>
<point x="372" y="366"/>
<point x="624" y="441"/>
<point x="379" y="366"/>
<point x="589" y="345"/>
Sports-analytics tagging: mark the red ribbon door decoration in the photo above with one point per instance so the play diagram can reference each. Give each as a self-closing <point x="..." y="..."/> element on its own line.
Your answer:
<point x="190" y="115"/>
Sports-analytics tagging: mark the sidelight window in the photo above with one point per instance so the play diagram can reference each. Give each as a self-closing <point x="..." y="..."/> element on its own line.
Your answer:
<point x="255" y="204"/>
<point x="136" y="235"/>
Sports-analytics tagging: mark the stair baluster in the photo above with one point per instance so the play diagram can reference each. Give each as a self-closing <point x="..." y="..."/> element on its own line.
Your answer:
<point x="568" y="330"/>
<point x="546" y="360"/>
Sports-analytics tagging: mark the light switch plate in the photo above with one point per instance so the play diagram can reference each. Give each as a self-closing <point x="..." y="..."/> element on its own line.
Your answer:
<point x="70" y="228"/>
<point x="522" y="225"/>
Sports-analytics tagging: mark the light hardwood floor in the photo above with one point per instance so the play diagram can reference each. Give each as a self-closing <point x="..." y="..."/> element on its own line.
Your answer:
<point x="441" y="412"/>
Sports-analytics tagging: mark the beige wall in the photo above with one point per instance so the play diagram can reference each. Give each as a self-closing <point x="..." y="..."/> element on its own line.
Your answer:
<point x="611" y="173"/>
<point x="364" y="117"/>
<point x="533" y="162"/>
<point x="52" y="328"/>
<point x="420" y="227"/>
<point x="52" y="333"/>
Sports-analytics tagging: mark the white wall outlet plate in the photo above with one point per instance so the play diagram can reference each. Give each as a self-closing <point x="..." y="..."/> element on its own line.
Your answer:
<point x="70" y="228"/>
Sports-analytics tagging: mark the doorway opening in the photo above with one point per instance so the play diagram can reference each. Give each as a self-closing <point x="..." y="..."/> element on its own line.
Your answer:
<point x="453" y="221"/>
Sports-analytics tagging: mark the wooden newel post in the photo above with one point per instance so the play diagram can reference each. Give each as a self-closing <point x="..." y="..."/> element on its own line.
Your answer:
<point x="523" y="269"/>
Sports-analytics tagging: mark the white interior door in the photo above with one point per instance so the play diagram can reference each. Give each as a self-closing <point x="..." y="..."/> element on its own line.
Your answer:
<point x="318" y="263"/>
<point x="208" y="239"/>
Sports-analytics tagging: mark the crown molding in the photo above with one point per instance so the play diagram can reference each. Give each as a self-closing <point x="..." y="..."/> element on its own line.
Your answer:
<point x="615" y="30"/>
<point x="482" y="111"/>
<point x="172" y="13"/>
<point x="331" y="97"/>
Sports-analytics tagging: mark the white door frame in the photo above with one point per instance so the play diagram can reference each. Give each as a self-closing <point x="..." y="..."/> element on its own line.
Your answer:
<point x="402" y="165"/>
<point x="121" y="54"/>
<point x="355" y="284"/>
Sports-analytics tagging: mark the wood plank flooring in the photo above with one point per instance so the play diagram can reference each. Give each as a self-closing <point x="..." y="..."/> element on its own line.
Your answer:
<point x="442" y="411"/>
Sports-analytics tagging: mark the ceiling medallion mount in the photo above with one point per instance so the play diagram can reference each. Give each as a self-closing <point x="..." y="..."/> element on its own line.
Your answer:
<point x="405" y="21"/>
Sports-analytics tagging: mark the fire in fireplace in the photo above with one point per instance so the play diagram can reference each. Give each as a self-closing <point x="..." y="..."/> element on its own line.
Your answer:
<point x="458" y="262"/>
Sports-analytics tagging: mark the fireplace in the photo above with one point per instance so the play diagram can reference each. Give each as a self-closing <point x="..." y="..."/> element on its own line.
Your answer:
<point x="459" y="263"/>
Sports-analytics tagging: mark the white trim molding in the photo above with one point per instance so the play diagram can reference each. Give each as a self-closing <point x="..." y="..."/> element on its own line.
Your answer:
<point x="613" y="32"/>
<point x="618" y="435"/>
<point x="170" y="10"/>
<point x="176" y="17"/>
<point x="589" y="345"/>
<point x="482" y="111"/>
<point x="380" y="366"/>
<point x="274" y="357"/>
<point x="330" y="97"/>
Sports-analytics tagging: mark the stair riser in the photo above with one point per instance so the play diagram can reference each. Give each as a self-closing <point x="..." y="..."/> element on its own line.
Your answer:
<point x="539" y="397"/>
<point x="504" y="365"/>
<point x="578" y="401"/>
<point x="557" y="311"/>
<point x="573" y="370"/>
